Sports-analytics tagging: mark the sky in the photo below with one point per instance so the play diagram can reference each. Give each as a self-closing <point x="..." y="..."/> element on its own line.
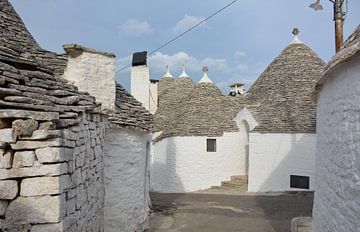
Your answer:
<point x="236" y="44"/>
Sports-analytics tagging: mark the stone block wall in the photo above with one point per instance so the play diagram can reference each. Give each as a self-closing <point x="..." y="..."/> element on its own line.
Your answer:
<point x="51" y="171"/>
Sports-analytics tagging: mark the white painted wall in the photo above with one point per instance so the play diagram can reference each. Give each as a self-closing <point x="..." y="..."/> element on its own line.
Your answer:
<point x="140" y="84"/>
<point x="181" y="164"/>
<point x="153" y="104"/>
<point x="275" y="156"/>
<point x="337" y="195"/>
<point x="126" y="181"/>
<point x="94" y="73"/>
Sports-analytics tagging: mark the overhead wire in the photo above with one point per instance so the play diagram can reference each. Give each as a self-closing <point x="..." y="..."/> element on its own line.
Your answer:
<point x="184" y="33"/>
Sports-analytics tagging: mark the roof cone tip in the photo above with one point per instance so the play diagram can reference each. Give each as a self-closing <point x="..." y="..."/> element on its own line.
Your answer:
<point x="184" y="74"/>
<point x="168" y="73"/>
<point x="205" y="78"/>
<point x="296" y="39"/>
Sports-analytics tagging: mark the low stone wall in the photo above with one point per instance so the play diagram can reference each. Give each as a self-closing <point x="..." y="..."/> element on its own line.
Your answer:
<point x="51" y="171"/>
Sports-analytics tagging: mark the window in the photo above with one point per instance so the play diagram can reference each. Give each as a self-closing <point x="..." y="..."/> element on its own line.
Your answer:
<point x="211" y="145"/>
<point x="301" y="182"/>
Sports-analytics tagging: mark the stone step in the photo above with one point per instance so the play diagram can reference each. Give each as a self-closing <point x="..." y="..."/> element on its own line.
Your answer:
<point x="239" y="178"/>
<point x="231" y="184"/>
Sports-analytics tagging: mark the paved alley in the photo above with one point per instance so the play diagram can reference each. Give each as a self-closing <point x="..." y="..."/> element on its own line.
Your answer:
<point x="216" y="212"/>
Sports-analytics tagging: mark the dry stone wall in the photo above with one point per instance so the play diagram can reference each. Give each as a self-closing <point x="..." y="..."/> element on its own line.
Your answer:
<point x="51" y="174"/>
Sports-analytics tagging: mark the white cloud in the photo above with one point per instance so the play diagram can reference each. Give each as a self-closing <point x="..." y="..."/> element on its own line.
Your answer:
<point x="186" y="23"/>
<point x="134" y="28"/>
<point x="239" y="55"/>
<point x="221" y="71"/>
<point x="159" y="61"/>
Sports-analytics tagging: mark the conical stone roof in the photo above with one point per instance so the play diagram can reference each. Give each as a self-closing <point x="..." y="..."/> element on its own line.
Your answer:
<point x="26" y="81"/>
<point x="189" y="109"/>
<point x="280" y="100"/>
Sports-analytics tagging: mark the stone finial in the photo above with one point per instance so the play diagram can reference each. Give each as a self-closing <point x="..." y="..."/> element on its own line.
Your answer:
<point x="205" y="69"/>
<point x="168" y="73"/>
<point x="184" y="74"/>
<point x="295" y="31"/>
<point x="296" y="39"/>
<point x="205" y="78"/>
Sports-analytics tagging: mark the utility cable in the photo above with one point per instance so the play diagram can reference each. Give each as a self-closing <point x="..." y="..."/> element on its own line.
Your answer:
<point x="185" y="32"/>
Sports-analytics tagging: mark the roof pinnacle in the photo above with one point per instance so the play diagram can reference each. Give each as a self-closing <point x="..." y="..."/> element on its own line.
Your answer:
<point x="184" y="74"/>
<point x="168" y="73"/>
<point x="205" y="78"/>
<point x="296" y="39"/>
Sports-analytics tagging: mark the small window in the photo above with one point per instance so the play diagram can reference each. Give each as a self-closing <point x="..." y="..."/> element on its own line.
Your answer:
<point x="301" y="182"/>
<point x="211" y="145"/>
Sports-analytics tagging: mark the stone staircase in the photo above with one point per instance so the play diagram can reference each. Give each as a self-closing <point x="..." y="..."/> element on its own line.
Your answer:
<point x="239" y="183"/>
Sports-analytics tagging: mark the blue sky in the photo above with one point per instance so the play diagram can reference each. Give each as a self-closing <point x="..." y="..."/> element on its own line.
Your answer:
<point x="236" y="45"/>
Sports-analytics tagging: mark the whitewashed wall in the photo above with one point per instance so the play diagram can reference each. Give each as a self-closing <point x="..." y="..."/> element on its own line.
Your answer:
<point x="140" y="84"/>
<point x="94" y="73"/>
<point x="181" y="164"/>
<point x="126" y="180"/>
<point x="153" y="104"/>
<point x="337" y="196"/>
<point x="275" y="156"/>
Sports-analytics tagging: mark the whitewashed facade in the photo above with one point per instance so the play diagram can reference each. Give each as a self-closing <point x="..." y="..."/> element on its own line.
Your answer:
<point x="337" y="195"/>
<point x="126" y="180"/>
<point x="182" y="164"/>
<point x="276" y="156"/>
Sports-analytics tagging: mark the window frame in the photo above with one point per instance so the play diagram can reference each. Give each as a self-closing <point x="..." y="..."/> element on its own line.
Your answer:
<point x="213" y="145"/>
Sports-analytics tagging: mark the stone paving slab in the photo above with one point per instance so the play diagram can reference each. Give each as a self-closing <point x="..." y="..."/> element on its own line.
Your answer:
<point x="231" y="213"/>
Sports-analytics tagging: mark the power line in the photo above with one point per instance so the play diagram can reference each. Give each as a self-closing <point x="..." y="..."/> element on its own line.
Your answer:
<point x="185" y="32"/>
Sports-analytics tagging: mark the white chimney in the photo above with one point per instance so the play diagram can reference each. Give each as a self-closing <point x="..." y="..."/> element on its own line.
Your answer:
<point x="140" y="79"/>
<point x="92" y="71"/>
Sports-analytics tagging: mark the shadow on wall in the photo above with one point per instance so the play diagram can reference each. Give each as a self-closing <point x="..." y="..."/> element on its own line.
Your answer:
<point x="293" y="163"/>
<point x="164" y="170"/>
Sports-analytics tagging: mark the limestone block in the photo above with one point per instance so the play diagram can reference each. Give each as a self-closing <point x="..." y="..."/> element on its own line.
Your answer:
<point x="80" y="160"/>
<point x="44" y="170"/>
<point x="44" y="185"/>
<point x="3" y="207"/>
<point x="24" y="159"/>
<point x="57" y="227"/>
<point x="7" y="135"/>
<point x="8" y="189"/>
<point x="43" y="134"/>
<point x="28" y="145"/>
<point x="70" y="206"/>
<point x="80" y="197"/>
<point x="5" y="159"/>
<point x="49" y="125"/>
<point x="24" y="127"/>
<point x="71" y="193"/>
<point x="76" y="177"/>
<point x="53" y="154"/>
<point x="40" y="209"/>
<point x="42" y="116"/>
<point x="68" y="134"/>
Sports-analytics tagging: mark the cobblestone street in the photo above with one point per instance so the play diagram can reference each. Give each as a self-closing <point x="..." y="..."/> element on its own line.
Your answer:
<point x="229" y="213"/>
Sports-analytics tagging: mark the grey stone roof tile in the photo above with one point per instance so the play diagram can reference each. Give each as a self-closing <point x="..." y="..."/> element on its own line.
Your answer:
<point x="129" y="112"/>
